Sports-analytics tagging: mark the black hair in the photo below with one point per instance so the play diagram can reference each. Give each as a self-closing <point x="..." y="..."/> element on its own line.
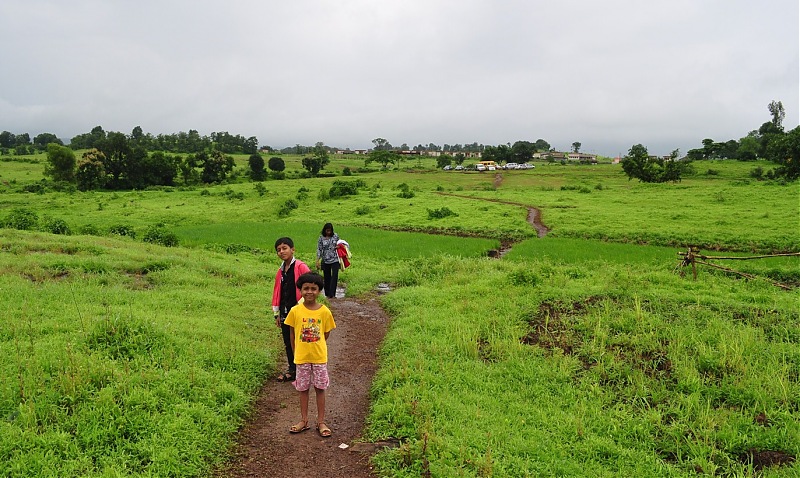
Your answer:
<point x="284" y="240"/>
<point x="312" y="278"/>
<point x="327" y="226"/>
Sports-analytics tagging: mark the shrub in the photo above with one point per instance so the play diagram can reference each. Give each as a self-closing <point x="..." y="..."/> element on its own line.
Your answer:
<point x="440" y="213"/>
<point x="302" y="194"/>
<point x="343" y="188"/>
<point x="405" y="191"/>
<point x="56" y="226"/>
<point x="712" y="172"/>
<point x="363" y="210"/>
<point x="231" y="195"/>
<point x="287" y="207"/>
<point x="89" y="230"/>
<point x="122" y="230"/>
<point x="37" y="188"/>
<point x="346" y="171"/>
<point x="260" y="189"/>
<point x="757" y="173"/>
<point x="158" y="234"/>
<point x="524" y="277"/>
<point x="22" y="219"/>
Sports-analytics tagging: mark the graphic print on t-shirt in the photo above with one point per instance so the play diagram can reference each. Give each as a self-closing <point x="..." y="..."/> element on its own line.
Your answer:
<point x="310" y="330"/>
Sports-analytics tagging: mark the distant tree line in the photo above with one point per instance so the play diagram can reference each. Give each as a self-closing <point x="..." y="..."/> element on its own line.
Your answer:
<point x="22" y="144"/>
<point x="118" y="161"/>
<point x="769" y="142"/>
<point x="182" y="142"/>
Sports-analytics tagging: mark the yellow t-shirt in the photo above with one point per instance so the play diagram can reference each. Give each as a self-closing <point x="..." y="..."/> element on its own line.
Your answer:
<point x="310" y="327"/>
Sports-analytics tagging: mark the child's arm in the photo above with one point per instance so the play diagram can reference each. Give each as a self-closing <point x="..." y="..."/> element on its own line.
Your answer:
<point x="327" y="334"/>
<point x="291" y="335"/>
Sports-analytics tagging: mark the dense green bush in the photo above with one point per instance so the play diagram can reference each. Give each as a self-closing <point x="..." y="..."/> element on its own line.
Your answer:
<point x="89" y="230"/>
<point x="22" y="219"/>
<point x="158" y="234"/>
<point x="405" y="191"/>
<point x="56" y="226"/>
<point x="363" y="210"/>
<point x="343" y="188"/>
<point x="440" y="213"/>
<point x="287" y="207"/>
<point x="122" y="230"/>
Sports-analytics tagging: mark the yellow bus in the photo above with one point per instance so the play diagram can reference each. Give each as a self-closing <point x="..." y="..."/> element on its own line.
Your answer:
<point x="487" y="165"/>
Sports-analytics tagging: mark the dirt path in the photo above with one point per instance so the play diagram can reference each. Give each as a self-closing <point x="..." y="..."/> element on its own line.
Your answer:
<point x="534" y="214"/>
<point x="265" y="447"/>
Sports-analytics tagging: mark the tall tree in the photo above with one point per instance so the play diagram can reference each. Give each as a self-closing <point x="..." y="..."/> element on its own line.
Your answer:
<point x="542" y="145"/>
<point x="318" y="160"/>
<point x="381" y="144"/>
<point x="778" y="114"/>
<point x="116" y="152"/>
<point x="576" y="147"/>
<point x="382" y="157"/>
<point x="651" y="169"/>
<point x="748" y="148"/>
<point x="216" y="167"/>
<point x="250" y="145"/>
<point x="785" y="150"/>
<point x="276" y="164"/>
<point x="257" y="171"/>
<point x="22" y="139"/>
<point x="91" y="174"/>
<point x="60" y="163"/>
<point x="43" y="139"/>
<point x="7" y="139"/>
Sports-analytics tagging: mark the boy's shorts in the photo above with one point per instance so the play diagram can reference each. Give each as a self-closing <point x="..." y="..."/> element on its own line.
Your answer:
<point x="309" y="374"/>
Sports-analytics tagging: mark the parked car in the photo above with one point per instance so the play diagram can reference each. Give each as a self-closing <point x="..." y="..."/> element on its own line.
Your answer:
<point x="512" y="166"/>
<point x="447" y="168"/>
<point x="480" y="167"/>
<point x="459" y="167"/>
<point x="526" y="166"/>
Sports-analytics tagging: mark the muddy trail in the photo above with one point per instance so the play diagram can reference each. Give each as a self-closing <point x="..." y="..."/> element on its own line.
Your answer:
<point x="534" y="217"/>
<point x="266" y="448"/>
<point x="534" y="214"/>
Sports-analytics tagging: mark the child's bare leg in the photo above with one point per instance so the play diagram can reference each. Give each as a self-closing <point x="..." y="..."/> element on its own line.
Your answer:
<point x="304" y="405"/>
<point x="320" y="405"/>
<point x="303" y="425"/>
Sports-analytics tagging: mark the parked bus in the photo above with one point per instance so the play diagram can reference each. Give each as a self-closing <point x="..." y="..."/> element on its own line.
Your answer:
<point x="487" y="165"/>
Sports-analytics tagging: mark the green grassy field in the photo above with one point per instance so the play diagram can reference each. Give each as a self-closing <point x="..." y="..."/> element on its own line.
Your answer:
<point x="584" y="353"/>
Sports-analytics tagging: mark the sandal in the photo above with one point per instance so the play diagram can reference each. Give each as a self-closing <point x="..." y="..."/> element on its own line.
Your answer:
<point x="286" y="377"/>
<point x="323" y="430"/>
<point x="301" y="426"/>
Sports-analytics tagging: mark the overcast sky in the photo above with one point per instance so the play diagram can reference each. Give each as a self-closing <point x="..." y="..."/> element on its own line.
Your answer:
<point x="608" y="74"/>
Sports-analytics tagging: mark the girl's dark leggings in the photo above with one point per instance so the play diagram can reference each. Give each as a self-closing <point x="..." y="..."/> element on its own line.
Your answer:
<point x="330" y="273"/>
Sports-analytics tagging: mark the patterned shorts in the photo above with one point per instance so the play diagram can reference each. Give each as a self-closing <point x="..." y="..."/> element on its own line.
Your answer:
<point x="308" y="374"/>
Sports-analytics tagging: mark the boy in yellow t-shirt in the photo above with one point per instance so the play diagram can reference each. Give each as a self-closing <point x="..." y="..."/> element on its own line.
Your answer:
<point x="310" y="325"/>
